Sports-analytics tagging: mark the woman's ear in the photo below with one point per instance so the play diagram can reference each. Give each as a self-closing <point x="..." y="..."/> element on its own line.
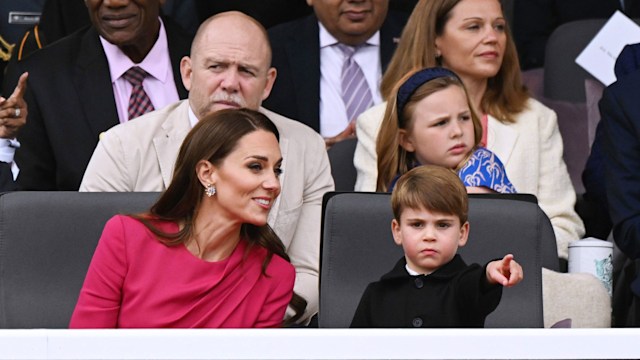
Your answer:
<point x="206" y="172"/>
<point x="404" y="140"/>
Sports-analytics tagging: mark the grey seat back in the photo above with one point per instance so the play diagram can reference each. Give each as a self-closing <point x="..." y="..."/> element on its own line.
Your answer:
<point x="342" y="169"/>
<point x="357" y="248"/>
<point x="563" y="78"/>
<point x="47" y="240"/>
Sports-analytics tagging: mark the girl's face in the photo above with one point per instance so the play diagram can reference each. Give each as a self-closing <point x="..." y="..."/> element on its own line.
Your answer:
<point x="474" y="39"/>
<point x="440" y="129"/>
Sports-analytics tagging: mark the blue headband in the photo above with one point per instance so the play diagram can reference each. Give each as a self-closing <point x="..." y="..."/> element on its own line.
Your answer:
<point x="415" y="81"/>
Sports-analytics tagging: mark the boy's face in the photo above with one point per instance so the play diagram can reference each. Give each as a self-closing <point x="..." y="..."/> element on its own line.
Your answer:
<point x="429" y="239"/>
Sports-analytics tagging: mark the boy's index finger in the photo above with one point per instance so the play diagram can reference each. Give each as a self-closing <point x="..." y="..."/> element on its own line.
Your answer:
<point x="506" y="261"/>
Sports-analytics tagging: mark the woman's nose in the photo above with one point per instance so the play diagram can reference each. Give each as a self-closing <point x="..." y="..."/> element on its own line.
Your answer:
<point x="491" y="34"/>
<point x="272" y="183"/>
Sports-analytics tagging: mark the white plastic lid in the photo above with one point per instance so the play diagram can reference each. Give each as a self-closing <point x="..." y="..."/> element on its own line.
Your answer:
<point x="590" y="242"/>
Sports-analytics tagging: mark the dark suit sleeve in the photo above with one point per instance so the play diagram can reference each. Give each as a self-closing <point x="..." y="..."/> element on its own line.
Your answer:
<point x="478" y="298"/>
<point x="593" y="209"/>
<point x="620" y="112"/>
<point x="6" y="178"/>
<point x="362" y="317"/>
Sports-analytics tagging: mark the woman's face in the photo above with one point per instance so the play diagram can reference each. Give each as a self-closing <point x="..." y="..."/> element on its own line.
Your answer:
<point x="247" y="182"/>
<point x="440" y="129"/>
<point x="473" y="40"/>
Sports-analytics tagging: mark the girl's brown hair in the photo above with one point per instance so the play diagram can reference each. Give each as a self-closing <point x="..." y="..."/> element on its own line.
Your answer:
<point x="393" y="159"/>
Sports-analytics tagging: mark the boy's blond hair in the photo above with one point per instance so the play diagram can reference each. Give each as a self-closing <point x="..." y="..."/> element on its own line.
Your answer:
<point x="433" y="188"/>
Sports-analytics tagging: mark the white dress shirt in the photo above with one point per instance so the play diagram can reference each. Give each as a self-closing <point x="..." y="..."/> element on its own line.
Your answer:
<point x="333" y="113"/>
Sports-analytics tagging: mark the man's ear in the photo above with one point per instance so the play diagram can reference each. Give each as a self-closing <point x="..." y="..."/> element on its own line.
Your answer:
<point x="272" y="73"/>
<point x="206" y="172"/>
<point x="395" y="230"/>
<point x="310" y="2"/>
<point x="185" y="72"/>
<point x="464" y="234"/>
<point x="405" y="141"/>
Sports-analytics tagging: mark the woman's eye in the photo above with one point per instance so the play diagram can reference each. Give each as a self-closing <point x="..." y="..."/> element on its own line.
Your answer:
<point x="255" y="167"/>
<point x="500" y="27"/>
<point x="278" y="172"/>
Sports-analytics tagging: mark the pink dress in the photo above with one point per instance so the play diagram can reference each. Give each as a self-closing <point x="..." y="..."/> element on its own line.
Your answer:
<point x="135" y="281"/>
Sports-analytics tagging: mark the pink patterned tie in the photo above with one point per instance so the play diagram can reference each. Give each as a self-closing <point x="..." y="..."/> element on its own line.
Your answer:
<point x="139" y="102"/>
<point x="355" y="90"/>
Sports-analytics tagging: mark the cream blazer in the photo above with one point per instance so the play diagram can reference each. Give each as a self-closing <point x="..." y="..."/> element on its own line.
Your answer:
<point x="530" y="149"/>
<point x="140" y="156"/>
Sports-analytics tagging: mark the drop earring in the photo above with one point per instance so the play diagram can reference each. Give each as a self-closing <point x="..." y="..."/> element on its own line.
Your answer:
<point x="210" y="190"/>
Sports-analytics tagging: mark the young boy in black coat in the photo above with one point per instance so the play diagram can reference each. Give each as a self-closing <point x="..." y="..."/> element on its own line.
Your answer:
<point x="431" y="286"/>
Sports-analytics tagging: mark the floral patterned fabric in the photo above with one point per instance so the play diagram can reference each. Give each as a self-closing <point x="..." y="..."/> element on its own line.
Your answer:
<point x="485" y="169"/>
<point x="482" y="169"/>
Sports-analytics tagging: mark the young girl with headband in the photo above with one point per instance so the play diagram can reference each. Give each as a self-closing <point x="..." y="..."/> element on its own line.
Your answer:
<point x="431" y="122"/>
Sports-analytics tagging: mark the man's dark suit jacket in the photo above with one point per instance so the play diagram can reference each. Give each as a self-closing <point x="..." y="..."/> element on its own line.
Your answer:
<point x="296" y="56"/>
<point x="616" y="155"/>
<point x="593" y="176"/>
<point x="71" y="102"/>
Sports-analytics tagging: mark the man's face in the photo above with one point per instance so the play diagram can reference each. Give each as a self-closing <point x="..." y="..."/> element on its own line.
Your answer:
<point x="228" y="69"/>
<point x="125" y="22"/>
<point x="352" y="22"/>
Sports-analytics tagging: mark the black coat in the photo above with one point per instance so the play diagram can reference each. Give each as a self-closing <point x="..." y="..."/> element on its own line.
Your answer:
<point x="456" y="295"/>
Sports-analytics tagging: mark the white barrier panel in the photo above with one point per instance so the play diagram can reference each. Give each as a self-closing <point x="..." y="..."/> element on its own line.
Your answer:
<point x="322" y="344"/>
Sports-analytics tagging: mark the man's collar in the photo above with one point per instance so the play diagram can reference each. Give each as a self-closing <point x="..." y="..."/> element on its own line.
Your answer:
<point x="119" y="62"/>
<point x="193" y="120"/>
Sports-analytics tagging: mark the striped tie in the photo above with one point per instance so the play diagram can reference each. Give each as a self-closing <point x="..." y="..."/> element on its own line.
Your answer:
<point x="139" y="102"/>
<point x="355" y="90"/>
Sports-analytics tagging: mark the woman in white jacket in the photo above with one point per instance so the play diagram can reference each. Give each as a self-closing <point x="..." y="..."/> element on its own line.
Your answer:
<point x="471" y="38"/>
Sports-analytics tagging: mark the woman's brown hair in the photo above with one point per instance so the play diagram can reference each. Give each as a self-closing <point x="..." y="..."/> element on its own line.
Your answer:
<point x="505" y="96"/>
<point x="213" y="138"/>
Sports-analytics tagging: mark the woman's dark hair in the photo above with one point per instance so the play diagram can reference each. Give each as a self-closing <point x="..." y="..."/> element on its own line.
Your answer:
<point x="213" y="138"/>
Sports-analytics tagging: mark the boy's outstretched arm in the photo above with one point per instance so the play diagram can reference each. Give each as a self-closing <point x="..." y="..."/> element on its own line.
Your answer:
<point x="506" y="272"/>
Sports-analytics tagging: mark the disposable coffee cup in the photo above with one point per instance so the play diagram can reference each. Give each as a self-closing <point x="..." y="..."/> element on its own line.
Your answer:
<point x="595" y="257"/>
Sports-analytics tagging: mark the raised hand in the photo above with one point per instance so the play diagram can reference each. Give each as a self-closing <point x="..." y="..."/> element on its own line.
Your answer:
<point x="13" y="110"/>
<point x="506" y="272"/>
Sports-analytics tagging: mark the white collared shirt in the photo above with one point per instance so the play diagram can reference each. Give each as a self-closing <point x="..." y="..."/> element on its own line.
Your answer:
<point x="333" y="113"/>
